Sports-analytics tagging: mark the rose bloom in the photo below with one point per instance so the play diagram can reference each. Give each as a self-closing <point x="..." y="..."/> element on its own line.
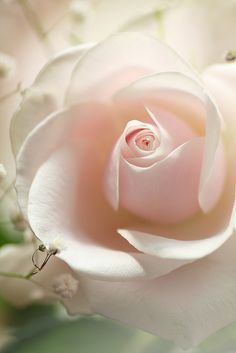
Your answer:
<point x="126" y="165"/>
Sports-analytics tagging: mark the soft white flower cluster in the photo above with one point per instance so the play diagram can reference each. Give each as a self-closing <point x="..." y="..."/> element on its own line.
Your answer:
<point x="112" y="249"/>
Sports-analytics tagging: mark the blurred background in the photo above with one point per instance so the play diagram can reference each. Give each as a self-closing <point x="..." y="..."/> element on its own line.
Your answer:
<point x="31" y="32"/>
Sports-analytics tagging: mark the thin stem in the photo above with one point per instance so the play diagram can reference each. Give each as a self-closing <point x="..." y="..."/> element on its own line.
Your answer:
<point x="33" y="272"/>
<point x="6" y="191"/>
<point x="55" y="24"/>
<point x="12" y="275"/>
<point x="10" y="94"/>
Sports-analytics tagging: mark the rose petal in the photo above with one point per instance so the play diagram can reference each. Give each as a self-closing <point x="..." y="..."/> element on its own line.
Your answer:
<point x="46" y="94"/>
<point x="119" y="60"/>
<point x="164" y="82"/>
<point x="185" y="306"/>
<point x="167" y="191"/>
<point x="50" y="130"/>
<point x="50" y="213"/>
<point x="221" y="80"/>
<point x="177" y="249"/>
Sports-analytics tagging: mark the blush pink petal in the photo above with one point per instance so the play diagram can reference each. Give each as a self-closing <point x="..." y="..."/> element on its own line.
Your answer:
<point x="119" y="60"/>
<point x="167" y="191"/>
<point x="213" y="169"/>
<point x="111" y="183"/>
<point x="178" y="249"/>
<point x="50" y="213"/>
<point x="185" y="306"/>
<point x="58" y="128"/>
<point x="46" y="94"/>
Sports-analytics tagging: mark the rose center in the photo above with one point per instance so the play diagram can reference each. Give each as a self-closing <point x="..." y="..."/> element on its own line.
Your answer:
<point x="142" y="141"/>
<point x="147" y="142"/>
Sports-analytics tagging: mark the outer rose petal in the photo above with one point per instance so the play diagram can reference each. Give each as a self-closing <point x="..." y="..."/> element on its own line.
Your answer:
<point x="50" y="211"/>
<point x="221" y="81"/>
<point x="46" y="94"/>
<point x="50" y="130"/>
<point x="118" y="61"/>
<point x="185" y="306"/>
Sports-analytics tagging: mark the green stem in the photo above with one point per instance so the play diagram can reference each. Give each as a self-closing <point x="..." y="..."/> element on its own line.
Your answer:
<point x="12" y="275"/>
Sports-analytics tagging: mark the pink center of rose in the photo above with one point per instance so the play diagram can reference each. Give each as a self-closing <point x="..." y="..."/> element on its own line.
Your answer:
<point x="144" y="139"/>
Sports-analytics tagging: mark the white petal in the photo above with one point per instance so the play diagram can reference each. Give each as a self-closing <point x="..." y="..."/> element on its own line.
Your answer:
<point x="118" y="61"/>
<point x="33" y="152"/>
<point x="185" y="306"/>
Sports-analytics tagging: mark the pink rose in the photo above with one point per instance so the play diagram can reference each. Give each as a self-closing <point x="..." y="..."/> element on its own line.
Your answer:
<point x="123" y="155"/>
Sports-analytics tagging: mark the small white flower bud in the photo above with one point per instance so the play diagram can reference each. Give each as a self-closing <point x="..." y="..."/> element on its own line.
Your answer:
<point x="7" y="65"/>
<point x="65" y="286"/>
<point x="79" y="9"/>
<point x="231" y="56"/>
<point x="18" y="220"/>
<point x="57" y="245"/>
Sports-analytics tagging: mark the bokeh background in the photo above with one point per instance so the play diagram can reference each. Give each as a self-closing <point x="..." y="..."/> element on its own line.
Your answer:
<point x="32" y="31"/>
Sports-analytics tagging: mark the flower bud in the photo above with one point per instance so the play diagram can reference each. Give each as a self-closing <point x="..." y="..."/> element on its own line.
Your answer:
<point x="7" y="65"/>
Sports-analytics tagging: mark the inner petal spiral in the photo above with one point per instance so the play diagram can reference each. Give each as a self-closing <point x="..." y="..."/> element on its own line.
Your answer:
<point x="146" y="140"/>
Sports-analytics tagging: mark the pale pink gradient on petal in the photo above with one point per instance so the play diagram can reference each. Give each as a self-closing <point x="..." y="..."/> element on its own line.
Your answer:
<point x="119" y="60"/>
<point x="103" y="255"/>
<point x="167" y="191"/>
